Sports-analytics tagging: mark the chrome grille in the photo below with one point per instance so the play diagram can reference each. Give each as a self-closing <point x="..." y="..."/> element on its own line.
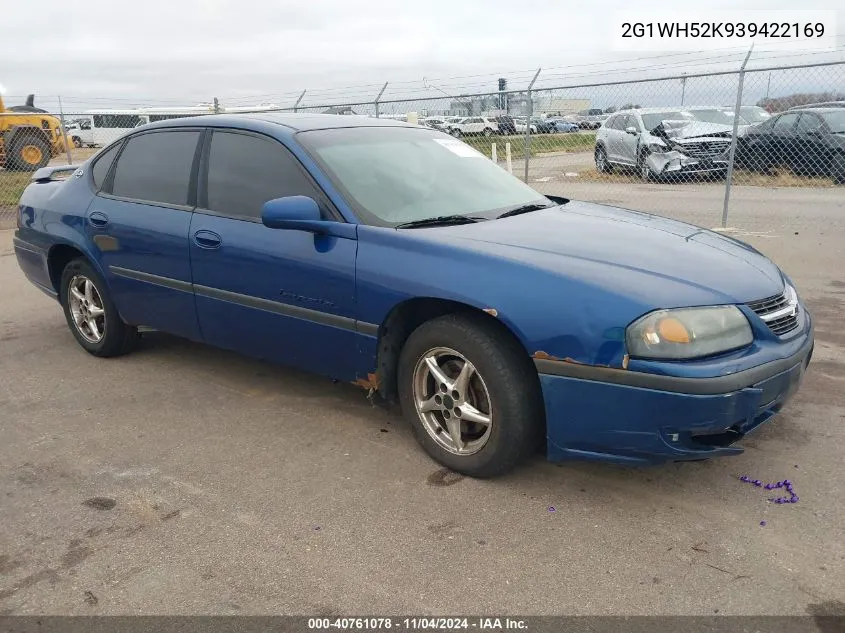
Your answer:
<point x="705" y="149"/>
<point x="777" y="312"/>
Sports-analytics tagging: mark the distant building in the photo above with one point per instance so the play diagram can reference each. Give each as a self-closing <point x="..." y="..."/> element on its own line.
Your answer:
<point x="552" y="105"/>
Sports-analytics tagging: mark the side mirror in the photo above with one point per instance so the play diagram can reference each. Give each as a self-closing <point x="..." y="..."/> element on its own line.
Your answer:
<point x="632" y="130"/>
<point x="298" y="213"/>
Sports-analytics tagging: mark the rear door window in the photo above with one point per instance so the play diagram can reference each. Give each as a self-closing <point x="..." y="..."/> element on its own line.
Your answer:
<point x="156" y="167"/>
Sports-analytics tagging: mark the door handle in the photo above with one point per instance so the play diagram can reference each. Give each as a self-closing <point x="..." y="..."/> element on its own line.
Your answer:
<point x="98" y="219"/>
<point x="207" y="239"/>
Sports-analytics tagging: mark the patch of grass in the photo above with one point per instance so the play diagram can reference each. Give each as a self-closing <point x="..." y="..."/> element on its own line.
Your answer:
<point x="12" y="184"/>
<point x="540" y="144"/>
<point x="782" y="178"/>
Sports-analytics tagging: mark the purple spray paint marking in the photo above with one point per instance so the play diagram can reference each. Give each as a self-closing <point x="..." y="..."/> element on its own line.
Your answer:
<point x="786" y="483"/>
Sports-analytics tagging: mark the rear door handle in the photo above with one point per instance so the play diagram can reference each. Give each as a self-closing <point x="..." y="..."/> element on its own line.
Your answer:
<point x="207" y="239"/>
<point x="98" y="219"/>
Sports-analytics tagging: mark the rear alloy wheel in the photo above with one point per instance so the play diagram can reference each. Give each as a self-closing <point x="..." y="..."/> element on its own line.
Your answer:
<point x="90" y="313"/>
<point x="471" y="395"/>
<point x="602" y="164"/>
<point x="456" y="133"/>
<point x="77" y="142"/>
<point x="487" y="132"/>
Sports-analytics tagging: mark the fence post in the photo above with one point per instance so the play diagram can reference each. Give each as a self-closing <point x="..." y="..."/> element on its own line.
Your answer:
<point x="527" y="142"/>
<point x="296" y="105"/>
<point x="508" y="157"/>
<point x="64" y="132"/>
<point x="493" y="154"/>
<point x="732" y="150"/>
<point x="216" y="106"/>
<point x="381" y="92"/>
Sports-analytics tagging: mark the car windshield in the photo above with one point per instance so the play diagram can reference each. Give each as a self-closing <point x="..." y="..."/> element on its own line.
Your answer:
<point x="835" y="120"/>
<point x="754" y="114"/>
<point x="653" y="119"/>
<point x="714" y="115"/>
<point x="394" y="175"/>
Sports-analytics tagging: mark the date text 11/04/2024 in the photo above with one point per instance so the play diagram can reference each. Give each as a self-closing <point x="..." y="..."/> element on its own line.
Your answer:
<point x="418" y="623"/>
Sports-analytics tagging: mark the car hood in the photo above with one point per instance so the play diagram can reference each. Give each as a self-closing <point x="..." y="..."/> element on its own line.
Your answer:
<point x="680" y="130"/>
<point x="654" y="260"/>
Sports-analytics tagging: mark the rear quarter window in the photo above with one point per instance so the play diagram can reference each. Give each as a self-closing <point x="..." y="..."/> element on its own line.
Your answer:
<point x="101" y="166"/>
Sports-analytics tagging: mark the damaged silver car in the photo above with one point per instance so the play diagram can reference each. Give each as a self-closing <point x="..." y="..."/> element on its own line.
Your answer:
<point x="666" y="143"/>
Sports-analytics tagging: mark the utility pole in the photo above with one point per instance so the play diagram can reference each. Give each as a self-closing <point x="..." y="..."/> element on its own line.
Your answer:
<point x="64" y="132"/>
<point x="527" y="142"/>
<point x="216" y="106"/>
<point x="683" y="87"/>
<point x="378" y="98"/>
<point x="768" y="84"/>
<point x="296" y="105"/>
<point x="732" y="150"/>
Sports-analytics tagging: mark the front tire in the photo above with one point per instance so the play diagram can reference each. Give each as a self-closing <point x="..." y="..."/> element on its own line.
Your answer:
<point x="646" y="174"/>
<point x="91" y="314"/>
<point x="837" y="169"/>
<point x="487" y="132"/>
<point x="602" y="164"/>
<point x="77" y="142"/>
<point x="471" y="394"/>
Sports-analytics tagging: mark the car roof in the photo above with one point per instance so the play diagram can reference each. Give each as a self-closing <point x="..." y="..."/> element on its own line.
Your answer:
<point x="296" y="122"/>
<point x="816" y="110"/>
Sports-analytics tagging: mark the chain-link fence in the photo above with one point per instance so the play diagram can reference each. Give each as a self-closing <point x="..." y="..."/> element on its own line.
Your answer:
<point x="649" y="144"/>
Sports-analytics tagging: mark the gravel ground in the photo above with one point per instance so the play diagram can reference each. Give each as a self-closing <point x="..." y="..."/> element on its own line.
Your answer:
<point x="183" y="479"/>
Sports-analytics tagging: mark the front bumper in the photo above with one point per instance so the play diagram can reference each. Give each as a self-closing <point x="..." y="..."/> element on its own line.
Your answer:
<point x="674" y="162"/>
<point x="589" y="419"/>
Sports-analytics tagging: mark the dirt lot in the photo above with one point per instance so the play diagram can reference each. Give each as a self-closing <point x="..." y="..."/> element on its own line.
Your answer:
<point x="183" y="479"/>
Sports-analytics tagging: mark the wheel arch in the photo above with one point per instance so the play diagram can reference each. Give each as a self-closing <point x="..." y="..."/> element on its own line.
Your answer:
<point x="407" y="316"/>
<point x="61" y="254"/>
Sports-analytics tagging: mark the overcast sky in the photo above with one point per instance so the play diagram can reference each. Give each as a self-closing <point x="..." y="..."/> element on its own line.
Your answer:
<point x="184" y="51"/>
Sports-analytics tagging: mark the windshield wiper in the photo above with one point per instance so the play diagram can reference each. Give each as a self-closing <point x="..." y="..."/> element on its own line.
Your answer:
<point x="526" y="208"/>
<point x="440" y="220"/>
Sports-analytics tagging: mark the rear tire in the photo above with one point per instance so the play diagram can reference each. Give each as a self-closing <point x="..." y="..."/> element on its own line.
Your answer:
<point x="77" y="142"/>
<point x="501" y="386"/>
<point x="91" y="314"/>
<point x="487" y="132"/>
<point x="28" y="152"/>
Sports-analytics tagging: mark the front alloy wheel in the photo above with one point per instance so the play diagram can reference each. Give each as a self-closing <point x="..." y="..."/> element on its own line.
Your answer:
<point x="471" y="394"/>
<point x="452" y="401"/>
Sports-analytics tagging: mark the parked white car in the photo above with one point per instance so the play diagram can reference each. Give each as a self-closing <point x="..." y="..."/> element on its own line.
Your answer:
<point x="473" y="125"/>
<point x="80" y="133"/>
<point x="519" y="124"/>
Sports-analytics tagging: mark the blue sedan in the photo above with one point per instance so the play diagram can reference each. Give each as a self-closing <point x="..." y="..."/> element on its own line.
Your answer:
<point x="399" y="258"/>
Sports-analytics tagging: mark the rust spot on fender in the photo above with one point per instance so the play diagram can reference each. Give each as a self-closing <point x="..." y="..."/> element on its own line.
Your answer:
<point x="541" y="355"/>
<point x="492" y="311"/>
<point x="370" y="383"/>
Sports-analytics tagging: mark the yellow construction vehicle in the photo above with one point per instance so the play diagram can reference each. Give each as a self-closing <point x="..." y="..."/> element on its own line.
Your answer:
<point x="29" y="137"/>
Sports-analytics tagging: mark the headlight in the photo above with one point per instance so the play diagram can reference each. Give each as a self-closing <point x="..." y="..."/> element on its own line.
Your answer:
<point x="657" y="147"/>
<point x="688" y="333"/>
<point x="790" y="293"/>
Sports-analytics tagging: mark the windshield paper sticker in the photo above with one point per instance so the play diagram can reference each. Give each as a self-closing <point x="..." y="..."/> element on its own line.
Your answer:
<point x="459" y="147"/>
